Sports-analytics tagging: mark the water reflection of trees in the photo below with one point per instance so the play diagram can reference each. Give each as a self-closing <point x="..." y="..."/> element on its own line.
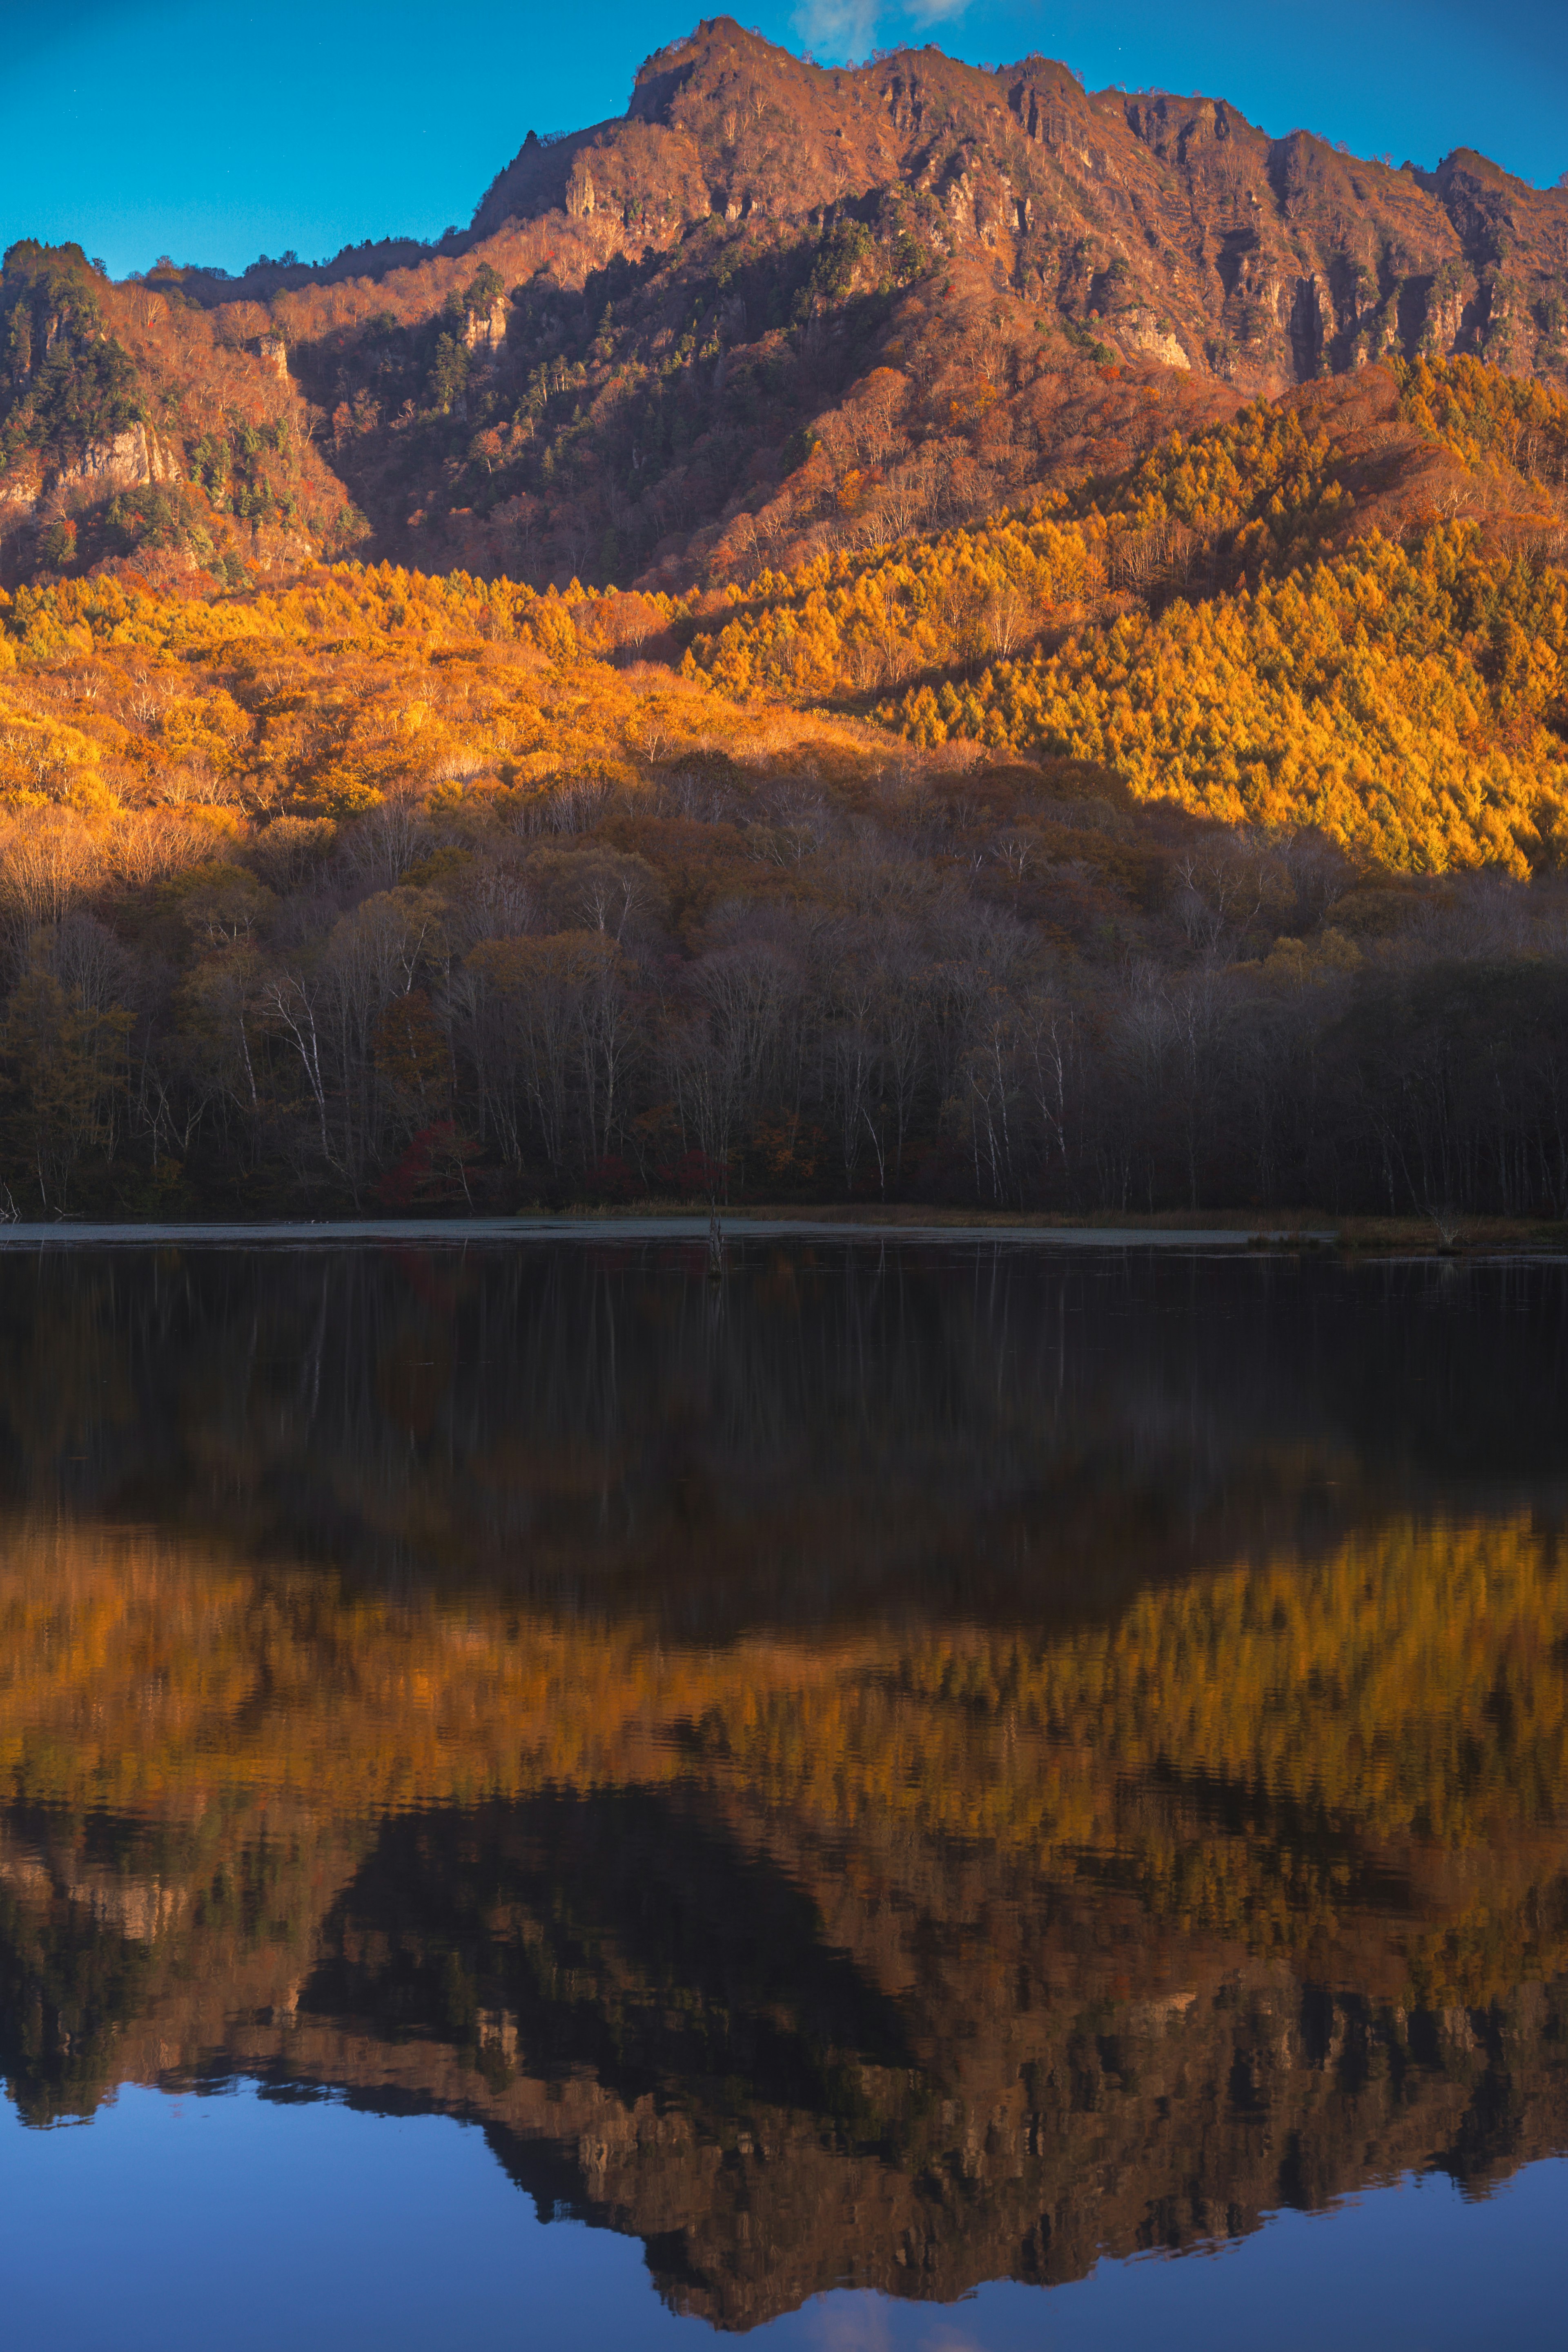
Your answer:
<point x="842" y="1428"/>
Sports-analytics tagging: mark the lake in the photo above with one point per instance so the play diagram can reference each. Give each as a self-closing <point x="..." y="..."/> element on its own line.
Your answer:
<point x="935" y="1793"/>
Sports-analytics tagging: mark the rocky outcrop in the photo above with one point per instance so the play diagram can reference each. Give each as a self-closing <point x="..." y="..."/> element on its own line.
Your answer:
<point x="34" y="492"/>
<point x="1143" y="330"/>
<point x="133" y="458"/>
<point x="485" y="330"/>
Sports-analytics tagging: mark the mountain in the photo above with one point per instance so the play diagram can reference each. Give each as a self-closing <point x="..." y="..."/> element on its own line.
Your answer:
<point x="1186" y="231"/>
<point x="1020" y="767"/>
<point x="967" y="285"/>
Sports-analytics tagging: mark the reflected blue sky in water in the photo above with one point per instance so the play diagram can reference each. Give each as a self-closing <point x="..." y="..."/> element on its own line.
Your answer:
<point x="317" y="2227"/>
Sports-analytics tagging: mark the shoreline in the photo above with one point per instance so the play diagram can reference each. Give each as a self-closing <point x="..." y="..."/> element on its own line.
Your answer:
<point x="453" y="1233"/>
<point x="1354" y="1237"/>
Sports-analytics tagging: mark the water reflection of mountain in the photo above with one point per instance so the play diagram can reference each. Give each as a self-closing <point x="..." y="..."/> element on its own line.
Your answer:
<point x="918" y="2074"/>
<point x="912" y="1957"/>
<point x="961" y="2073"/>
<point x="861" y="1780"/>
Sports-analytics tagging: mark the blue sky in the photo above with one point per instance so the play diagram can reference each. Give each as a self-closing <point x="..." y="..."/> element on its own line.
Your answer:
<point x="216" y="133"/>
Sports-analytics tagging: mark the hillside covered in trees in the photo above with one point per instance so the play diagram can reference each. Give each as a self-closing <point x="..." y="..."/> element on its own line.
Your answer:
<point x="382" y="889"/>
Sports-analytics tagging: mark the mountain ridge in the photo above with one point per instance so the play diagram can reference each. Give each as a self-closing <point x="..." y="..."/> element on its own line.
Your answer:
<point x="914" y="113"/>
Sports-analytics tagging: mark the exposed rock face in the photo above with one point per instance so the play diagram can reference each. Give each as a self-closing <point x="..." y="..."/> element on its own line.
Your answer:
<point x="133" y="458"/>
<point x="35" y="492"/>
<point x="1178" y="227"/>
<point x="20" y="490"/>
<point x="1140" y="330"/>
<point x="485" y="330"/>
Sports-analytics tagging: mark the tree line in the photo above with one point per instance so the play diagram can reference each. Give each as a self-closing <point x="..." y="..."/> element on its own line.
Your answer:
<point x="1004" y="986"/>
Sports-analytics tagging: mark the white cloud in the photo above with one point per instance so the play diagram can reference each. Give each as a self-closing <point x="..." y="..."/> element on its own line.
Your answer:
<point x="849" y="2323"/>
<point x="848" y="29"/>
<point x="837" y="28"/>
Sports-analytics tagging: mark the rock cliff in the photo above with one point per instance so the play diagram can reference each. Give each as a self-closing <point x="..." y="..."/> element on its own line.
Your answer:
<point x="1174" y="224"/>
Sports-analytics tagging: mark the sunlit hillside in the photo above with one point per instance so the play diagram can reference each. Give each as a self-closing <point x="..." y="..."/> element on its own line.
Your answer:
<point x="1346" y="613"/>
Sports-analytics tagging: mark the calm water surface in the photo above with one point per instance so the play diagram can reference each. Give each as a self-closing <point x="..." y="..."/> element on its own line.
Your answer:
<point x="933" y="1795"/>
